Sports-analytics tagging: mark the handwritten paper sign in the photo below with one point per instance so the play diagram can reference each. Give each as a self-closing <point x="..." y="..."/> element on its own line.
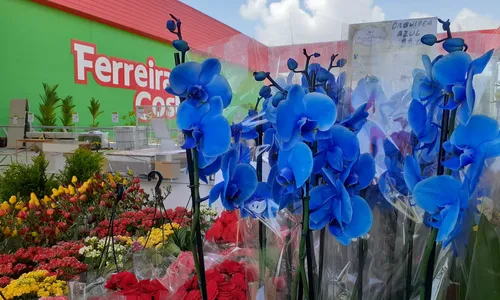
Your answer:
<point x="407" y="33"/>
<point x="75" y="118"/>
<point x="31" y="117"/>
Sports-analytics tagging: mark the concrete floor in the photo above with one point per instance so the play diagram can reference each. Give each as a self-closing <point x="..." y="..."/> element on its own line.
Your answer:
<point x="180" y="195"/>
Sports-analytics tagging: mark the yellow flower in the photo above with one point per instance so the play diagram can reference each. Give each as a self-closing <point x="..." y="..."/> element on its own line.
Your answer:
<point x="125" y="181"/>
<point x="36" y="282"/>
<point x="61" y="189"/>
<point x="19" y="205"/>
<point x="82" y="189"/>
<point x="19" y="221"/>
<point x="55" y="193"/>
<point x="34" y="199"/>
<point x="14" y="233"/>
<point x="12" y="199"/>
<point x="46" y="199"/>
<point x="157" y="236"/>
<point x="25" y="208"/>
<point x="71" y="190"/>
<point x="5" y="205"/>
<point x="34" y="234"/>
<point x="52" y="205"/>
<point x="74" y="179"/>
<point x="7" y="231"/>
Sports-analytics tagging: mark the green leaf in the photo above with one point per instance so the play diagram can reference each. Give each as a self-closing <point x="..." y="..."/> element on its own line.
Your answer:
<point x="484" y="276"/>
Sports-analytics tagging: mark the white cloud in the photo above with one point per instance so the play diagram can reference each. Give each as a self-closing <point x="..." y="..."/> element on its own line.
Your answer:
<point x="465" y="20"/>
<point x="469" y="20"/>
<point x="287" y="21"/>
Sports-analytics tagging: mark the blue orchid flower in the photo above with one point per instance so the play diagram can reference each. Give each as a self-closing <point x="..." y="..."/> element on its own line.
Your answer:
<point x="246" y="129"/>
<point x="205" y="127"/>
<point x="335" y="88"/>
<point x="240" y="182"/>
<point x="424" y="88"/>
<point x="368" y="91"/>
<point x="302" y="115"/>
<point x="357" y="119"/>
<point x="273" y="146"/>
<point x="347" y="217"/>
<point x="423" y="126"/>
<point x="412" y="174"/>
<point x="293" y="169"/>
<point x="260" y="204"/>
<point x="455" y="73"/>
<point x="269" y="110"/>
<point x="339" y="152"/>
<point x="393" y="178"/>
<point x="471" y="144"/>
<point x="443" y="197"/>
<point x="208" y="166"/>
<point x="199" y="82"/>
<point x="361" y="174"/>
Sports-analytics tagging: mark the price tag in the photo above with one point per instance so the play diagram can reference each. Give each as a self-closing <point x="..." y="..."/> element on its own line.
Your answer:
<point x="115" y="117"/>
<point x="31" y="117"/>
<point x="75" y="118"/>
<point x="140" y="111"/>
<point x="14" y="120"/>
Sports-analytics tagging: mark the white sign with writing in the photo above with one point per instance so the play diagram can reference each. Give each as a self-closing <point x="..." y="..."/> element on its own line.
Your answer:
<point x="75" y="118"/>
<point x="115" y="117"/>
<point x="370" y="35"/>
<point x="31" y="117"/>
<point x="14" y="120"/>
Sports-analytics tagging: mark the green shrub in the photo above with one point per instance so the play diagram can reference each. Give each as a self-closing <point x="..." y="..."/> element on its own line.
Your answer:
<point x="83" y="164"/>
<point x="23" y="179"/>
<point x="48" y="105"/>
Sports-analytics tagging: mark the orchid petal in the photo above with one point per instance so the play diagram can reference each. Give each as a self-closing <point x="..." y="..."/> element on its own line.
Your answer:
<point x="411" y="172"/>
<point x="319" y="162"/>
<point x="480" y="129"/>
<point x="417" y="117"/>
<point x="245" y="179"/>
<point x="346" y="140"/>
<point x="453" y="163"/>
<point x="209" y="68"/>
<point x="365" y="169"/>
<point x="362" y="218"/>
<point x="449" y="220"/>
<point x="426" y="60"/>
<point x="300" y="160"/>
<point x="320" y="108"/>
<point x="435" y="192"/>
<point x="289" y="113"/>
<point x="220" y="87"/>
<point x="189" y="115"/>
<point x="451" y="68"/>
<point x="216" y="136"/>
<point x="183" y="76"/>
<point x="336" y="159"/>
<point x="215" y="192"/>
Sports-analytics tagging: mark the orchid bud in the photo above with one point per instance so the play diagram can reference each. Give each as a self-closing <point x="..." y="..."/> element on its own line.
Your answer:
<point x="292" y="64"/>
<point x="265" y="91"/>
<point x="260" y="76"/>
<point x="341" y="62"/>
<point x="454" y="44"/>
<point x="171" y="26"/>
<point x="181" y="45"/>
<point x="428" y="39"/>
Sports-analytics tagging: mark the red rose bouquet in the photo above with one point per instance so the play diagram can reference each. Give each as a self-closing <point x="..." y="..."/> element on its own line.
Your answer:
<point x="225" y="229"/>
<point x="126" y="284"/>
<point x="226" y="281"/>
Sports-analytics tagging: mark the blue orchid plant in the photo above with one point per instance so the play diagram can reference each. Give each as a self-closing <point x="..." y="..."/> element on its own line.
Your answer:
<point x="446" y="87"/>
<point x="447" y="134"/>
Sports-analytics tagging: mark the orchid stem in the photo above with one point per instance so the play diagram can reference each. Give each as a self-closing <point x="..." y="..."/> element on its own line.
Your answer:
<point x="408" y="254"/>
<point x="289" y="259"/>
<point x="262" y="227"/>
<point x="428" y="266"/>
<point x="301" y="271"/>
<point x="196" y="241"/>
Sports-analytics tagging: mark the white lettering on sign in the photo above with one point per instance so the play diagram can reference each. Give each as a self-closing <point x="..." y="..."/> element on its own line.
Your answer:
<point x="148" y="80"/>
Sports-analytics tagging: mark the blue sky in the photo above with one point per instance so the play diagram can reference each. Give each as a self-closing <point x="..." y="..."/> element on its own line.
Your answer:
<point x="473" y="14"/>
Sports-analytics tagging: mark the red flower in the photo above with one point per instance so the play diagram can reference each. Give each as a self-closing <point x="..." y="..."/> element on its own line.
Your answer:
<point x="215" y="232"/>
<point x="212" y="290"/>
<point x="193" y="295"/>
<point x="122" y="281"/>
<point x="230" y="267"/>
